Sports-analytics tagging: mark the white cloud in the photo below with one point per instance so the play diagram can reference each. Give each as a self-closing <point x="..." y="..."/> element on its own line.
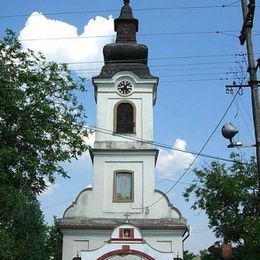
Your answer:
<point x="51" y="187"/>
<point x="90" y="139"/>
<point x="172" y="162"/>
<point x="86" y="47"/>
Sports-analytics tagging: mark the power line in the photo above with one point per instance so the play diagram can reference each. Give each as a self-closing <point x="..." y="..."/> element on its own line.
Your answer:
<point x="191" y="64"/>
<point x="158" y="144"/>
<point x="232" y="3"/>
<point x="200" y="152"/>
<point x="169" y="180"/>
<point x="58" y="204"/>
<point x="161" y="70"/>
<point x="195" y="80"/>
<point x="159" y="65"/>
<point x="176" y="69"/>
<point x="203" y="56"/>
<point x="192" y="74"/>
<point x="116" y="10"/>
<point x="243" y="118"/>
<point x="163" y="81"/>
<point x="139" y="35"/>
<point x="174" y="57"/>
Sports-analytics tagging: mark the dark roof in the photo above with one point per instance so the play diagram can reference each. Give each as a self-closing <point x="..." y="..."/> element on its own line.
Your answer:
<point x="126" y="15"/>
<point x="125" y="54"/>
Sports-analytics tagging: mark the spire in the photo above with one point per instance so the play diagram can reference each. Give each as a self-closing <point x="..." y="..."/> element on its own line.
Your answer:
<point x="126" y="25"/>
<point x="125" y="54"/>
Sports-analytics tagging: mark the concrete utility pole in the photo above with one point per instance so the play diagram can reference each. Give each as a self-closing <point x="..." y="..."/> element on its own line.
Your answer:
<point x="248" y="15"/>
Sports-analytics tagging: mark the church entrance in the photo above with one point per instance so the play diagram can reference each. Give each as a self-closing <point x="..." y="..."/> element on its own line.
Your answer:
<point x="126" y="257"/>
<point x="120" y="254"/>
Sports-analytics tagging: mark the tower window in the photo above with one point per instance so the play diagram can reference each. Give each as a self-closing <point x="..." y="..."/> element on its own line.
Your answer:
<point x="125" y="118"/>
<point x="123" y="187"/>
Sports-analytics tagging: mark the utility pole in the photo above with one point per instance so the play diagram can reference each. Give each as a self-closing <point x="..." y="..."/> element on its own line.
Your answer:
<point x="246" y="36"/>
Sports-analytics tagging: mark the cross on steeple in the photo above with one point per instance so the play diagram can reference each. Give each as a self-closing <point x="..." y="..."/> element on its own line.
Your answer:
<point x="126" y="217"/>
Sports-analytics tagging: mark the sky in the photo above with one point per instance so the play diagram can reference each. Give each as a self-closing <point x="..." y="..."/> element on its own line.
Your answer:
<point x="195" y="51"/>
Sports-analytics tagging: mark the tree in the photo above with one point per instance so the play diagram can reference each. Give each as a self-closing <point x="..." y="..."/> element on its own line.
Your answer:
<point x="22" y="228"/>
<point x="54" y="241"/>
<point x="213" y="253"/>
<point x="229" y="196"/>
<point x="188" y="255"/>
<point x="41" y="119"/>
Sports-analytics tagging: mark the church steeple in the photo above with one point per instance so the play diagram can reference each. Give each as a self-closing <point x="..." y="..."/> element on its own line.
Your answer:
<point x="123" y="164"/>
<point x="125" y="54"/>
<point x="126" y="25"/>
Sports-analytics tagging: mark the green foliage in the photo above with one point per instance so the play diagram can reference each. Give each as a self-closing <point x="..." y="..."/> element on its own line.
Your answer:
<point x="41" y="125"/>
<point x="22" y="229"/>
<point x="213" y="253"/>
<point x="23" y="233"/>
<point x="41" y="120"/>
<point x="188" y="255"/>
<point x="229" y="196"/>
<point x="54" y="241"/>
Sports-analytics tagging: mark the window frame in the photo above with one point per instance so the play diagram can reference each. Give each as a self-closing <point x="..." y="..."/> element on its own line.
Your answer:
<point x="116" y="112"/>
<point x="115" y="198"/>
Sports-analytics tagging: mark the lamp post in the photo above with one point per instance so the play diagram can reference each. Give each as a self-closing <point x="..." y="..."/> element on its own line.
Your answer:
<point x="248" y="11"/>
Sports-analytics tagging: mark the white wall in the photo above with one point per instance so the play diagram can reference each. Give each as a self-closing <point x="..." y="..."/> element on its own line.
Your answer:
<point x="162" y="244"/>
<point x="142" y="97"/>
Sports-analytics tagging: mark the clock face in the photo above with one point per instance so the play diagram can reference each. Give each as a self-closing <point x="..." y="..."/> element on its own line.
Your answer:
<point x="124" y="87"/>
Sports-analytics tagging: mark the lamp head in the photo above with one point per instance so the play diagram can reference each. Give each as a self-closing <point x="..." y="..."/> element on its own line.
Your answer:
<point x="229" y="131"/>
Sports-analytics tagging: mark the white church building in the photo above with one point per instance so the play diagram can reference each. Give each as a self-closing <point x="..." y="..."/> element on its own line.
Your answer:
<point x="123" y="216"/>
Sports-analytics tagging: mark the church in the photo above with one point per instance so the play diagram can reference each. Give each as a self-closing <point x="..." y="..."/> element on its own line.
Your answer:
<point x="123" y="216"/>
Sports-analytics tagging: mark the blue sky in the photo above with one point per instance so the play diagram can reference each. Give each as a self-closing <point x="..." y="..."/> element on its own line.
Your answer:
<point x="193" y="49"/>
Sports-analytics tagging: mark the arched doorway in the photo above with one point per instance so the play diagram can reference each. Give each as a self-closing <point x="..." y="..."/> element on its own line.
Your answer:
<point x="121" y="254"/>
<point x="126" y="257"/>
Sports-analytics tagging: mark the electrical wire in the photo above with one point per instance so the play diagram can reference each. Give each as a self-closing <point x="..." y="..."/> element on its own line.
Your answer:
<point x="195" y="80"/>
<point x="193" y="74"/>
<point x="200" y="152"/>
<point x="243" y="77"/>
<point x="244" y="120"/>
<point x="232" y="3"/>
<point x="116" y="10"/>
<point x="139" y="35"/>
<point x="161" y="70"/>
<point x="167" y="147"/>
<point x="158" y="144"/>
<point x="169" y="180"/>
<point x="173" y="57"/>
<point x="58" y="204"/>
<point x="159" y="65"/>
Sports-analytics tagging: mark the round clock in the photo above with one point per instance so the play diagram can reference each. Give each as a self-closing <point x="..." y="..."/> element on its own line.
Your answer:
<point x="124" y="87"/>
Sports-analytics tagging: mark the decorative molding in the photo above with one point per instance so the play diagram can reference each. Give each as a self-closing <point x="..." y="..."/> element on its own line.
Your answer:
<point x="124" y="251"/>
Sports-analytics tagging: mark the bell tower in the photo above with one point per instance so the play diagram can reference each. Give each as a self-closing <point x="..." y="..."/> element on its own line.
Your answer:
<point x="125" y="93"/>
<point x="123" y="199"/>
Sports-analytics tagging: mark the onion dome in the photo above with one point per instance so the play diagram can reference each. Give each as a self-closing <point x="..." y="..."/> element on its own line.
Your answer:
<point x="125" y="54"/>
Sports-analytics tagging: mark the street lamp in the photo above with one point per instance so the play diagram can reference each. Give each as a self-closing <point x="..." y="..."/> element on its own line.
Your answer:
<point x="229" y="131"/>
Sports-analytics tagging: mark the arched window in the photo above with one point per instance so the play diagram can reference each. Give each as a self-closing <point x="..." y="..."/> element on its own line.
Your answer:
<point x="125" y="115"/>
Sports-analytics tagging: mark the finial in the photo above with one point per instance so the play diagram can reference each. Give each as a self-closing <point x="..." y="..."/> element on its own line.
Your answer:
<point x="126" y="2"/>
<point x="126" y="217"/>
